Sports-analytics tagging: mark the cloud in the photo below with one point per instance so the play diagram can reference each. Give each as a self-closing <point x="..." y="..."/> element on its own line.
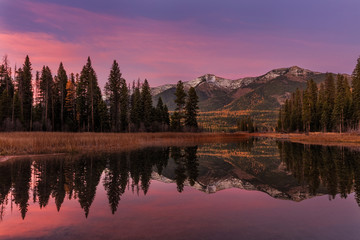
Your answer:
<point x="161" y="51"/>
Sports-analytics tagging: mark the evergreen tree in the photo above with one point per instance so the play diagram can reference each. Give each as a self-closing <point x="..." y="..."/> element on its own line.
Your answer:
<point x="124" y="105"/>
<point x="309" y="106"/>
<point x="47" y="98"/>
<point x="135" y="110"/>
<point x="70" y="103"/>
<point x="103" y="116"/>
<point x="191" y="110"/>
<point x="161" y="116"/>
<point x="313" y="100"/>
<point x="6" y="83"/>
<point x="321" y="106"/>
<point x="16" y="113"/>
<point x="5" y="106"/>
<point x="180" y="97"/>
<point x="166" y="117"/>
<point x="112" y="90"/>
<point x="342" y="102"/>
<point x="296" y="113"/>
<point x="247" y="124"/>
<point x="328" y="107"/>
<point x="81" y="103"/>
<point x="356" y="94"/>
<point x="25" y="89"/>
<point x="287" y="115"/>
<point x="89" y="96"/>
<point x="6" y="91"/>
<point x="159" y="111"/>
<point x="146" y="105"/>
<point x="62" y="81"/>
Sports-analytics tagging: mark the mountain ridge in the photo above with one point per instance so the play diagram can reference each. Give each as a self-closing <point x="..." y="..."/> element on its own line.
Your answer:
<point x="264" y="92"/>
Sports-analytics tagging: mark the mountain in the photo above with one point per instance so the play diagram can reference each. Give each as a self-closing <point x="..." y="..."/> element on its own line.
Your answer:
<point x="253" y="165"/>
<point x="265" y="92"/>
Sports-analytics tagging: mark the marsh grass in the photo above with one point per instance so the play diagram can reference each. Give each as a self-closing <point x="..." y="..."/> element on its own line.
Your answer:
<point x="317" y="138"/>
<point x="20" y="143"/>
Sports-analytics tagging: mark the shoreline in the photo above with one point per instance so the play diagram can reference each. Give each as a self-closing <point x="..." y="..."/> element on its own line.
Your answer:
<point x="36" y="143"/>
<point x="23" y="144"/>
<point x="316" y="138"/>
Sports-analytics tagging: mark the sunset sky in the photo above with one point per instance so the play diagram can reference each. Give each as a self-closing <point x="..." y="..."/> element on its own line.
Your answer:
<point x="168" y="40"/>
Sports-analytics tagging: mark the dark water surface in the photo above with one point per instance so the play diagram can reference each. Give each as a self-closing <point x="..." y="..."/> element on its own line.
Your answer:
<point x="255" y="189"/>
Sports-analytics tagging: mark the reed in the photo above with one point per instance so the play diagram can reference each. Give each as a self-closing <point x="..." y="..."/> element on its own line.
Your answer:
<point x="20" y="143"/>
<point x="318" y="138"/>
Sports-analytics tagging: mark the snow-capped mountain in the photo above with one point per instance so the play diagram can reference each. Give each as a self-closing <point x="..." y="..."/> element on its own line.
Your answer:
<point x="264" y="92"/>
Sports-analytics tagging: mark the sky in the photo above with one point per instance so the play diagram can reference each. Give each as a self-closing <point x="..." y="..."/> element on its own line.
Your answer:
<point x="169" y="40"/>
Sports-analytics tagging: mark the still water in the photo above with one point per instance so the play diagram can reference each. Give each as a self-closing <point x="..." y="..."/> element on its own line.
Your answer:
<point x="254" y="189"/>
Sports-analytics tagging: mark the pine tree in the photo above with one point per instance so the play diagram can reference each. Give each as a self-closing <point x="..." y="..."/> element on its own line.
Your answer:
<point x="62" y="81"/>
<point x="313" y="100"/>
<point x="6" y="91"/>
<point x="6" y="83"/>
<point x="26" y="93"/>
<point x="46" y="97"/>
<point x="124" y="105"/>
<point x="89" y="96"/>
<point x="81" y="103"/>
<point x="103" y="116"/>
<point x="297" y="111"/>
<point x="178" y="115"/>
<point x="321" y="106"/>
<point x="5" y="106"/>
<point x="166" y="117"/>
<point x="342" y="102"/>
<point x="146" y="105"/>
<point x="180" y="97"/>
<point x="287" y="116"/>
<point x="70" y="103"/>
<point x="191" y="110"/>
<point x="135" y="110"/>
<point x="328" y="107"/>
<point x="356" y="94"/>
<point x="112" y="90"/>
<point x="309" y="106"/>
<point x="159" y="111"/>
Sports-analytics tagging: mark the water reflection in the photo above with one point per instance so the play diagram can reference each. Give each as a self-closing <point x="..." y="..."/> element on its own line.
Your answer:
<point x="335" y="168"/>
<point x="281" y="169"/>
<point x="78" y="177"/>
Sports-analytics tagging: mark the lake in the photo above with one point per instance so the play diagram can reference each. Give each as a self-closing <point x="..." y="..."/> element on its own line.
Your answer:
<point x="253" y="189"/>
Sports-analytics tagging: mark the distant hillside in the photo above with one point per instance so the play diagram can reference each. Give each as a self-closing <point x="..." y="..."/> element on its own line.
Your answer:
<point x="265" y="92"/>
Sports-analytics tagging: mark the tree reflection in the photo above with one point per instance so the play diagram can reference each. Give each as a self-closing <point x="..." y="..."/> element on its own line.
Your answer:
<point x="21" y="175"/>
<point x="186" y="165"/>
<point x="335" y="168"/>
<point x="77" y="177"/>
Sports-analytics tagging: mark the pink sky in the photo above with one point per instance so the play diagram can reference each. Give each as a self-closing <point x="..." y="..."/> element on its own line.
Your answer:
<point x="162" y="50"/>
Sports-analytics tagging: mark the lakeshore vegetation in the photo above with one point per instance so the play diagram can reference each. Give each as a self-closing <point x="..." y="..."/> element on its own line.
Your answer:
<point x="331" y="107"/>
<point x="74" y="102"/>
<point x="22" y="143"/>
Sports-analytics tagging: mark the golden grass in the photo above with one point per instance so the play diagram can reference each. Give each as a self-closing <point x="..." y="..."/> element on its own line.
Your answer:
<point x="333" y="139"/>
<point x="20" y="143"/>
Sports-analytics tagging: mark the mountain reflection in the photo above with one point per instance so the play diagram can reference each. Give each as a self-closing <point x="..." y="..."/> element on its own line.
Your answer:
<point x="283" y="170"/>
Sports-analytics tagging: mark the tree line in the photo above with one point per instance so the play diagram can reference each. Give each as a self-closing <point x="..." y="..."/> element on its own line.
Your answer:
<point x="74" y="102"/>
<point x="331" y="107"/>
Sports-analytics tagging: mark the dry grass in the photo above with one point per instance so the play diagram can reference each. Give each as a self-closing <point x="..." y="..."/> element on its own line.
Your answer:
<point x="20" y="143"/>
<point x="331" y="139"/>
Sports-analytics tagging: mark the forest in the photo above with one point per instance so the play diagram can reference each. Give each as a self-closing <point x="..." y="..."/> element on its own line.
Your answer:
<point x="74" y="102"/>
<point x="334" y="106"/>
